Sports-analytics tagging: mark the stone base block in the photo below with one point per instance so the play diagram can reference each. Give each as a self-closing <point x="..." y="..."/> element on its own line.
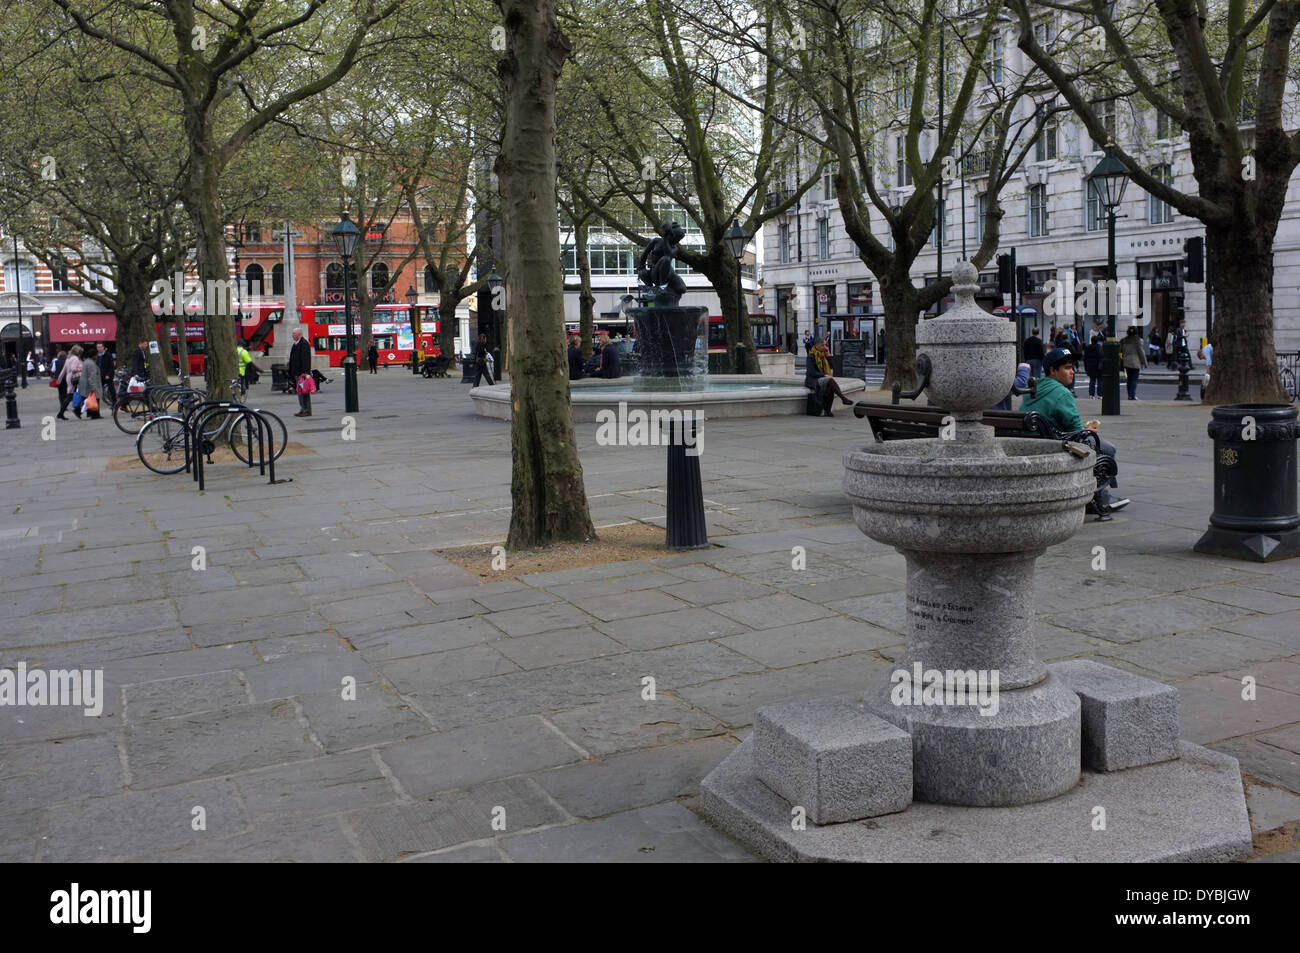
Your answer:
<point x="1027" y="750"/>
<point x="1257" y="547"/>
<point x="1188" y="810"/>
<point x="1128" y="720"/>
<point x="837" y="761"/>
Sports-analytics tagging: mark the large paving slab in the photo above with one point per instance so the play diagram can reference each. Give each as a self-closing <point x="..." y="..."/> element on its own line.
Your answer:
<point x="230" y="688"/>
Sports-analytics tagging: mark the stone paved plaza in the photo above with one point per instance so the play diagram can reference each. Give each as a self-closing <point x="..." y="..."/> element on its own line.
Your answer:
<point x="223" y="687"/>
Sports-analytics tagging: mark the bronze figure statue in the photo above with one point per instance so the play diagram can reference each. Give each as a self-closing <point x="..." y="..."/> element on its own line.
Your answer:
<point x="655" y="268"/>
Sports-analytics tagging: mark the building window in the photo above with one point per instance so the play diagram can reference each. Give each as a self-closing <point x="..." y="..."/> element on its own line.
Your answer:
<point x="823" y="238"/>
<point x="1105" y="110"/>
<point x="860" y="298"/>
<point x="59" y="279"/>
<point x="253" y="276"/>
<point x="1158" y="211"/>
<point x="904" y="173"/>
<point x="828" y="183"/>
<point x="277" y="279"/>
<point x="993" y="61"/>
<point x="1093" y="213"/>
<point x="981" y="215"/>
<point x="939" y="233"/>
<point x="1045" y="33"/>
<point x="1045" y="144"/>
<point x="783" y="242"/>
<point x="21" y="279"/>
<point x="430" y="280"/>
<point x="334" y="277"/>
<point x="1110" y="14"/>
<point x="902" y="89"/>
<point x="1037" y="211"/>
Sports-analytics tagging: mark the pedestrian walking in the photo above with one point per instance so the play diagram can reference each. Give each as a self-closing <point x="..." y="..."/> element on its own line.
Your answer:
<point x="1169" y="349"/>
<point x="90" y="389"/>
<point x="299" y="365"/>
<point x="69" y="378"/>
<point x="1153" y="345"/>
<point x="481" y="361"/>
<point x="1134" y="357"/>
<point x="372" y="358"/>
<point x="1092" y="364"/>
<point x="140" y="361"/>
<point x="1033" y="353"/>
<point x="107" y="367"/>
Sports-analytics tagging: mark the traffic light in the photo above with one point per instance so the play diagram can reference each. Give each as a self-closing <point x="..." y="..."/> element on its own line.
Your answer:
<point x="1004" y="274"/>
<point x="1022" y="279"/>
<point x="1194" y="259"/>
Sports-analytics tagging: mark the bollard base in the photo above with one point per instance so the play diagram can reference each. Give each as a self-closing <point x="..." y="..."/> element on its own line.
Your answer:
<point x="1256" y="547"/>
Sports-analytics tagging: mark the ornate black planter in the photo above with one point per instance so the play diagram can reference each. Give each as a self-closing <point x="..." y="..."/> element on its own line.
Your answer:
<point x="1255" y="515"/>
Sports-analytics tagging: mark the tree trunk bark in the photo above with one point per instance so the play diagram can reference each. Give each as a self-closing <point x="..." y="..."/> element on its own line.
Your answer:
<point x="586" y="297"/>
<point x="723" y="273"/>
<point x="139" y="324"/>
<point x="1245" y="360"/>
<point x="547" y="491"/>
<point x="901" y="310"/>
<point x="447" y="323"/>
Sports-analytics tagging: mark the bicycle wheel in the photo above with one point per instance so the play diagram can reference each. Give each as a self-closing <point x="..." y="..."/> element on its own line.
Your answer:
<point x="243" y="436"/>
<point x="161" y="445"/>
<point x="130" y="414"/>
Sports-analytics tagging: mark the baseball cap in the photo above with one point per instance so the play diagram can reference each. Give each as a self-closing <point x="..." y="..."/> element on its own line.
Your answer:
<point x="1057" y="355"/>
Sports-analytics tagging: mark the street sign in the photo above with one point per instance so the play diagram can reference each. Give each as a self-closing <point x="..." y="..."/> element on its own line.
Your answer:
<point x="278" y="234"/>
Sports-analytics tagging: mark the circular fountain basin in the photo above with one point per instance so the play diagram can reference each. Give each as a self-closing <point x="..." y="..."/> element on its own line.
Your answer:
<point x="723" y="395"/>
<point x="1029" y="496"/>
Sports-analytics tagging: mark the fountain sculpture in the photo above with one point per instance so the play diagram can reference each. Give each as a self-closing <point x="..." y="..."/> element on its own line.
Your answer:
<point x="969" y="717"/>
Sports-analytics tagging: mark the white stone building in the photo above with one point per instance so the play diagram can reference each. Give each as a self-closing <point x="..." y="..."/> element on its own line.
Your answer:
<point x="813" y="273"/>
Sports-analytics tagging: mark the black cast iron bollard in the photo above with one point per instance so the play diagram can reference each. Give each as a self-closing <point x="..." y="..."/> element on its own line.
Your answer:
<point x="1184" y="367"/>
<point x="7" y="378"/>
<point x="1255" y="515"/>
<point x="686" y="526"/>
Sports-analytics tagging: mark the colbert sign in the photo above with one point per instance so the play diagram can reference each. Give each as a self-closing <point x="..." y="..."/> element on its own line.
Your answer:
<point x="83" y="327"/>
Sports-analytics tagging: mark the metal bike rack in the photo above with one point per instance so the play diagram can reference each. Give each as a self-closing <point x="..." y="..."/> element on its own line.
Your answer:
<point x="195" y="448"/>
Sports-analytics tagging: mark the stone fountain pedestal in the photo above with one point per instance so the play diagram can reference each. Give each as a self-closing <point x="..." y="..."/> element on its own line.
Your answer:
<point x="972" y="748"/>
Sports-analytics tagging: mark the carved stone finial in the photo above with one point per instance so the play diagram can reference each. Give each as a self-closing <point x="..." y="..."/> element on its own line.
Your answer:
<point x="965" y="282"/>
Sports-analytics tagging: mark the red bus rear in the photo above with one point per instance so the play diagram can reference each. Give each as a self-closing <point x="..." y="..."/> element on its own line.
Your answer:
<point x="390" y="327"/>
<point x="763" y="326"/>
<point x="257" y="323"/>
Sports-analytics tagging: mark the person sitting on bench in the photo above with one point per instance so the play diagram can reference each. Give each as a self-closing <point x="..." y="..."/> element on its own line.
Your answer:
<point x="1055" y="401"/>
<point x="817" y="378"/>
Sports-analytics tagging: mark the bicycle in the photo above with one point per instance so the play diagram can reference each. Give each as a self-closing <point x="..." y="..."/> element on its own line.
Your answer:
<point x="161" y="442"/>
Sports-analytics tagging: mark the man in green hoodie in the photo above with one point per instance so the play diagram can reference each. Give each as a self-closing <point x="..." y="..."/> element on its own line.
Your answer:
<point x="1054" y="399"/>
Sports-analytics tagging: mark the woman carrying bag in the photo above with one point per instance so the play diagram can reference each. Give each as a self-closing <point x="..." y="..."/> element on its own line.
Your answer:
<point x="69" y="378"/>
<point x="90" y="388"/>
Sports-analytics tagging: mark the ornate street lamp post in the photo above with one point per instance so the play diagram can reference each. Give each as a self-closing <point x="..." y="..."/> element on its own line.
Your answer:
<point x="345" y="239"/>
<point x="736" y="239"/>
<point x="1109" y="179"/>
<point x="417" y="352"/>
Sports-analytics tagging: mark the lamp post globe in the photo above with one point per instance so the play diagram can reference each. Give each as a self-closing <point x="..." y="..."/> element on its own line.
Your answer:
<point x="1109" y="179"/>
<point x="345" y="240"/>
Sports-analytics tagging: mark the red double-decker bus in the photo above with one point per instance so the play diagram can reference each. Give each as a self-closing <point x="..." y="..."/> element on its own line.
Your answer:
<point x="257" y="321"/>
<point x="390" y="327"/>
<point x="763" y="326"/>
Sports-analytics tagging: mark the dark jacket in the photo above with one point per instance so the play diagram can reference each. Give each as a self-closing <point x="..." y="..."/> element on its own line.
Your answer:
<point x="299" y="359"/>
<point x="1034" y="348"/>
<point x="138" y="368"/>
<point x="609" y="362"/>
<point x="1092" y="359"/>
<point x="1055" y="402"/>
<point x="106" y="366"/>
<point x="480" y="355"/>
<point x="575" y="362"/>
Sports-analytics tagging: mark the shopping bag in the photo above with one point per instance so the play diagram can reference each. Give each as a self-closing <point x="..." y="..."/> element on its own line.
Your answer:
<point x="92" y="404"/>
<point x="76" y="400"/>
<point x="306" y="385"/>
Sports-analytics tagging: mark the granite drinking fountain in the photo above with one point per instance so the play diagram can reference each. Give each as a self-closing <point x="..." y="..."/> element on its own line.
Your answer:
<point x="970" y="747"/>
